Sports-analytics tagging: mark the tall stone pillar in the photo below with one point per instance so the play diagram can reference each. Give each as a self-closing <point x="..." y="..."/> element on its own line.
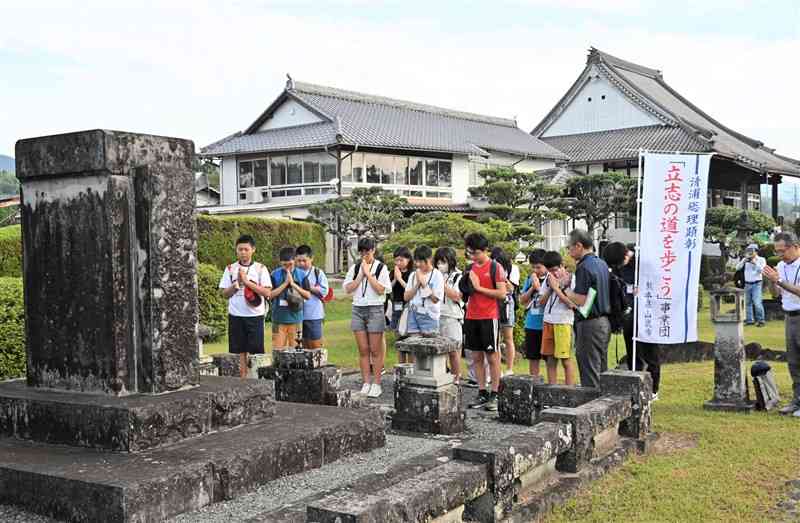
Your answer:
<point x="109" y="250"/>
<point x="730" y="383"/>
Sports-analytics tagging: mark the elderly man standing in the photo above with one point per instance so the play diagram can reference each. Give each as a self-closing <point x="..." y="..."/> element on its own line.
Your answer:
<point x="752" y="265"/>
<point x="592" y="331"/>
<point x="787" y="277"/>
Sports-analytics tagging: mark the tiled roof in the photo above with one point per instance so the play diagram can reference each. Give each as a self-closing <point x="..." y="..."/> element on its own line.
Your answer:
<point x="558" y="175"/>
<point x="622" y="144"/>
<point x="646" y="87"/>
<point x="308" y="136"/>
<point x="374" y="121"/>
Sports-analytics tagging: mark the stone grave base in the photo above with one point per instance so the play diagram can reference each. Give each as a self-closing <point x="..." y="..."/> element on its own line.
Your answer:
<point x="131" y="423"/>
<point x="82" y="484"/>
<point x="741" y="406"/>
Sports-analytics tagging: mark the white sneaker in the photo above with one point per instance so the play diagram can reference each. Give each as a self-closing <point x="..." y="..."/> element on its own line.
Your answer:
<point x="365" y="388"/>
<point x="375" y="390"/>
<point x="508" y="372"/>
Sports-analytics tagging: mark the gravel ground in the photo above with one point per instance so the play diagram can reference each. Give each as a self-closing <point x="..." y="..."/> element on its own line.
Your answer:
<point x="11" y="514"/>
<point x="293" y="488"/>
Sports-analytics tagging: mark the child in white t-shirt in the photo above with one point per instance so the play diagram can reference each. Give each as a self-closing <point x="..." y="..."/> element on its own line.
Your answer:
<point x="424" y="294"/>
<point x="558" y="319"/>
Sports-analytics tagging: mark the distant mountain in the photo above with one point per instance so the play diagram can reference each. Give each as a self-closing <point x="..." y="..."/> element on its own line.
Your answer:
<point x="6" y="163"/>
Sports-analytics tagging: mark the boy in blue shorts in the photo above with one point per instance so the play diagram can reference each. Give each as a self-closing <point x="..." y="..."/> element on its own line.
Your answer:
<point x="313" y="309"/>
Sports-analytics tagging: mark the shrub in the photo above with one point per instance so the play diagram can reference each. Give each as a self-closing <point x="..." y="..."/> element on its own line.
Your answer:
<point x="12" y="329"/>
<point x="11" y="251"/>
<point x="216" y="237"/>
<point x="213" y="307"/>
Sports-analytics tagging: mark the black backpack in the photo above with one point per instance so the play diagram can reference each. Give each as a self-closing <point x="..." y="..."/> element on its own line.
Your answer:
<point x="618" y="301"/>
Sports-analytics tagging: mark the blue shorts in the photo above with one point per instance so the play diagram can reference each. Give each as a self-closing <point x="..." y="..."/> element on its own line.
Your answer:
<point x="421" y="323"/>
<point x="312" y="330"/>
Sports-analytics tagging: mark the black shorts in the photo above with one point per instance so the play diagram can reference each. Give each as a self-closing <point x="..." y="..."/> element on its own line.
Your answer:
<point x="481" y="335"/>
<point x="246" y="334"/>
<point x="533" y="344"/>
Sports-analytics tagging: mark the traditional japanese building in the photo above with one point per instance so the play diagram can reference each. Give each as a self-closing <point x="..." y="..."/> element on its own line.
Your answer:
<point x="616" y="107"/>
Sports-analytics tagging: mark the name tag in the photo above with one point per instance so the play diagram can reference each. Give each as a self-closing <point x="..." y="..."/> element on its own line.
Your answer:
<point x="398" y="306"/>
<point x="283" y="303"/>
<point x="425" y="292"/>
<point x="629" y="288"/>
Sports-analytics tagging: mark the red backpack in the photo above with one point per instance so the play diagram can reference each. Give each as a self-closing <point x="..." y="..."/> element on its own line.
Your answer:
<point x="328" y="297"/>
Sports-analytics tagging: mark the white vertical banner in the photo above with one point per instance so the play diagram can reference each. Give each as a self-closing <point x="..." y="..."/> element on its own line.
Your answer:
<point x="673" y="213"/>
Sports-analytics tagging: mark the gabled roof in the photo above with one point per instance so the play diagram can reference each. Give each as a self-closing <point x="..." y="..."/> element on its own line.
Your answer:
<point x="689" y="125"/>
<point x="351" y="118"/>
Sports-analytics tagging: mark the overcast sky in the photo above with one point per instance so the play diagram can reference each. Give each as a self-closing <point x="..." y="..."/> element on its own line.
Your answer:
<point x="202" y="70"/>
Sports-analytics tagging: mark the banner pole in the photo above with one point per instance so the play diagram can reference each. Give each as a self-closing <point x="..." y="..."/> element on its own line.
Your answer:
<point x="639" y="176"/>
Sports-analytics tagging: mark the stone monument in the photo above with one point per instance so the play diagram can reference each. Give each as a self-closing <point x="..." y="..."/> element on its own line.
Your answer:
<point x="111" y="419"/>
<point x="426" y="399"/>
<point x="730" y="382"/>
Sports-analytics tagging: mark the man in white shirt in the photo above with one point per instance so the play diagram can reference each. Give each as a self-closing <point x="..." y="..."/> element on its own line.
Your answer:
<point x="787" y="277"/>
<point x="752" y="264"/>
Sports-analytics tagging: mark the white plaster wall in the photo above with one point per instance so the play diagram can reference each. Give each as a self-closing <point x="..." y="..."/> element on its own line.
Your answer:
<point x="229" y="182"/>
<point x="288" y="114"/>
<point x="460" y="174"/>
<point x="613" y="112"/>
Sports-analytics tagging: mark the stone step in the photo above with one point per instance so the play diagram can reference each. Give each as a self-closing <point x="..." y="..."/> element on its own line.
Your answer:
<point x="132" y="423"/>
<point x="80" y="484"/>
<point x="436" y="493"/>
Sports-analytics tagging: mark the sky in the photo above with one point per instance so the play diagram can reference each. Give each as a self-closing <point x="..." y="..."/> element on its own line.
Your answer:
<point x="203" y="70"/>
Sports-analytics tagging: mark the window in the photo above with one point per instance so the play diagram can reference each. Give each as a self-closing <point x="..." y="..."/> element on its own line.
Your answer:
<point x="327" y="167"/>
<point x="311" y="168"/>
<point x="358" y="167"/>
<point x="372" y="168"/>
<point x="438" y="173"/>
<point x="412" y="193"/>
<point x="347" y="169"/>
<point x="400" y="170"/>
<point x="277" y="170"/>
<point x="246" y="174"/>
<point x="260" y="172"/>
<point x="437" y="194"/>
<point x="295" y="170"/>
<point x="415" y="173"/>
<point x="386" y="164"/>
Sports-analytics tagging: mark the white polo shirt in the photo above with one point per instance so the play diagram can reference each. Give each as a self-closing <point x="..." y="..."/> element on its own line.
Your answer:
<point x="789" y="273"/>
<point x="237" y="304"/>
<point x="365" y="295"/>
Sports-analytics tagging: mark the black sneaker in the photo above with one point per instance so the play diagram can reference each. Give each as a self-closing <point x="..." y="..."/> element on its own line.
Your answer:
<point x="491" y="405"/>
<point x="470" y="383"/>
<point x="482" y="399"/>
<point x="760" y="324"/>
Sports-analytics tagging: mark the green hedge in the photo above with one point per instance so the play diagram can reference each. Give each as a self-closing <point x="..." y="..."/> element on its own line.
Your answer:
<point x="213" y="307"/>
<point x="11" y="251"/>
<point x="12" y="329"/>
<point x="216" y="237"/>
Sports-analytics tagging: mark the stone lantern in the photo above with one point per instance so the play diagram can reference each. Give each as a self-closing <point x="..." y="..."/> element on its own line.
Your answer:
<point x="730" y="383"/>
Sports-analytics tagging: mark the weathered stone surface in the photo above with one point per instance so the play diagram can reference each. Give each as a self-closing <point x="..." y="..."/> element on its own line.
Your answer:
<point x="109" y="242"/>
<point x="306" y="385"/>
<point x="228" y="364"/>
<point x="425" y="346"/>
<point x="207" y="369"/>
<point x="638" y="386"/>
<point x="425" y="409"/>
<point x="301" y="359"/>
<point x="83" y="485"/>
<point x="516" y="398"/>
<point x="588" y="421"/>
<point x="346" y="399"/>
<point x="730" y="385"/>
<point x="423" y="497"/>
<point x="131" y="423"/>
<point x="511" y="458"/>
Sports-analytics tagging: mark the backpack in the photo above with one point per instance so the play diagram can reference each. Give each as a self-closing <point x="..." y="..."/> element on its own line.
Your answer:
<point x="451" y="280"/>
<point x="465" y="286"/>
<point x="324" y="299"/>
<point x="618" y="301"/>
<point x="294" y="302"/>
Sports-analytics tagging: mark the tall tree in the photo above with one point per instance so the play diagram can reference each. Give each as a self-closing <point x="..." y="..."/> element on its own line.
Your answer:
<point x="9" y="185"/>
<point x="367" y="212"/>
<point x="523" y="199"/>
<point x="597" y="198"/>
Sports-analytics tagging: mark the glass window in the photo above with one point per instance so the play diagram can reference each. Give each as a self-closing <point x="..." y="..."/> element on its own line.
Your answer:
<point x="295" y="170"/>
<point x="358" y="167"/>
<point x="311" y="168"/>
<point x="347" y="169"/>
<point x="431" y="173"/>
<point x="294" y="192"/>
<point x="276" y="194"/>
<point x="245" y="174"/>
<point x="327" y="167"/>
<point x="312" y="190"/>
<point x="260" y="172"/>
<point x="327" y="190"/>
<point x="415" y="172"/>
<point x="277" y="166"/>
<point x="412" y="193"/>
<point x="386" y="164"/>
<point x="372" y="168"/>
<point x="445" y="174"/>
<point x="401" y="170"/>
